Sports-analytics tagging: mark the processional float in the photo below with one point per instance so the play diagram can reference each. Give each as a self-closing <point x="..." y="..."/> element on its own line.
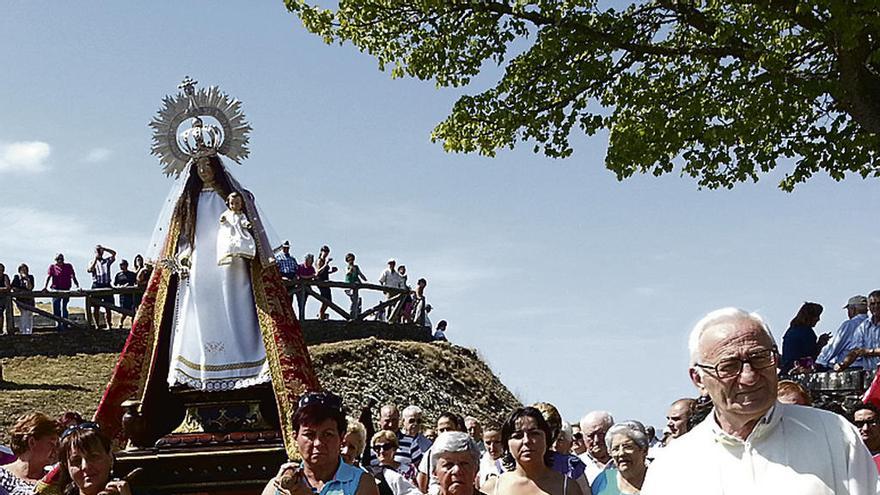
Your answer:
<point x="191" y="421"/>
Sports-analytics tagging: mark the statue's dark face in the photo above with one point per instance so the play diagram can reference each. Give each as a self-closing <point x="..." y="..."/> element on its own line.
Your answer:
<point x="205" y="170"/>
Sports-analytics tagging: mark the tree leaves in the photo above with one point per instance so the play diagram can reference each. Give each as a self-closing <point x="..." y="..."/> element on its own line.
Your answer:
<point x="718" y="90"/>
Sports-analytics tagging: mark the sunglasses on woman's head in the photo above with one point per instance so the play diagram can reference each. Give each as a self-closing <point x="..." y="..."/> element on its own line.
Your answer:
<point x="383" y="447"/>
<point x="84" y="426"/>
<point x="325" y="399"/>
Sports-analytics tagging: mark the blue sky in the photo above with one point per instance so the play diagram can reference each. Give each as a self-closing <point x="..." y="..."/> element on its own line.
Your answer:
<point x="577" y="289"/>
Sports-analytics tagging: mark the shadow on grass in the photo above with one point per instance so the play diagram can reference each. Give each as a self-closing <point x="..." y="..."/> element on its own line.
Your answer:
<point x="40" y="386"/>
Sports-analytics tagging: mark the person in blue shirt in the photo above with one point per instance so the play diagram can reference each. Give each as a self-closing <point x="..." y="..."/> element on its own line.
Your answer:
<point x="440" y="333"/>
<point x="320" y="424"/>
<point x="843" y="339"/>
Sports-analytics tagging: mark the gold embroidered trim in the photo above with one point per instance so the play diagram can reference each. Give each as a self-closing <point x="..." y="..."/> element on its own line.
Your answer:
<point x="286" y="408"/>
<point x="210" y="380"/>
<point x="161" y="300"/>
<point x="220" y="367"/>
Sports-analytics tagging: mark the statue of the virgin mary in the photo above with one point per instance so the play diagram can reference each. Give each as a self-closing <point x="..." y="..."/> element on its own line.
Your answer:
<point x="201" y="324"/>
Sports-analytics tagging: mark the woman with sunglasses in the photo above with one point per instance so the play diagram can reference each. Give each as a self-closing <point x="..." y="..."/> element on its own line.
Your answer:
<point x="385" y="445"/>
<point x="34" y="441"/>
<point x="319" y="425"/>
<point x="527" y="434"/>
<point x="86" y="461"/>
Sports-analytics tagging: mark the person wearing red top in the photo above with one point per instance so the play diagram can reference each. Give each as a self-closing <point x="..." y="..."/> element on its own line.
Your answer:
<point x="306" y="271"/>
<point x="62" y="277"/>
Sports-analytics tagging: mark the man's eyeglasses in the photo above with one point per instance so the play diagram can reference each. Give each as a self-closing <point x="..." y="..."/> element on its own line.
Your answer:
<point x="731" y="367"/>
<point x="86" y="425"/>
<point x="865" y="422"/>
<point x="383" y="447"/>
<point x="326" y="399"/>
<point x="578" y="436"/>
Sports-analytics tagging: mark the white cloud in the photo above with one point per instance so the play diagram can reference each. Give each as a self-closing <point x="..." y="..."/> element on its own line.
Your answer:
<point x="39" y="234"/>
<point x="97" y="155"/>
<point x="24" y="157"/>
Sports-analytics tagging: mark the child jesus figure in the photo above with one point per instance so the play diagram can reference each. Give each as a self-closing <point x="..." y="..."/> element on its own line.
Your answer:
<point x="234" y="239"/>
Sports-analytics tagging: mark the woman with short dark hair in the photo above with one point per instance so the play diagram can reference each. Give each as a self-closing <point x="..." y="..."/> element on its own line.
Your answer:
<point x="87" y="461"/>
<point x="319" y="425"/>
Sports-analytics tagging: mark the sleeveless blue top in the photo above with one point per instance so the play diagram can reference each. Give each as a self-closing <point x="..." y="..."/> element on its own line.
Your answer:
<point x="344" y="482"/>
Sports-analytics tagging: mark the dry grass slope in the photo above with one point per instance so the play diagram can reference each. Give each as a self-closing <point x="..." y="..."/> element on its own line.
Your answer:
<point x="437" y="377"/>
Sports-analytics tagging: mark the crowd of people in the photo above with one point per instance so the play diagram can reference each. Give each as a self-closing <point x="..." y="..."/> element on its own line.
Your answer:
<point x="855" y="344"/>
<point x="746" y="432"/>
<point x="61" y="276"/>
<point x="415" y="308"/>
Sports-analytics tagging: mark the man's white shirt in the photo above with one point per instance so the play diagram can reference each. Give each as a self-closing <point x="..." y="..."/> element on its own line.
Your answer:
<point x="793" y="450"/>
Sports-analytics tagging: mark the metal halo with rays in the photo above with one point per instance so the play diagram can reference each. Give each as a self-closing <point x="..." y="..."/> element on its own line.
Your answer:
<point x="191" y="103"/>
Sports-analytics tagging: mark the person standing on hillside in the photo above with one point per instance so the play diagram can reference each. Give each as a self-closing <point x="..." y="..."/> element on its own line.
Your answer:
<point x="306" y="271"/>
<point x="353" y="275"/>
<point x="323" y="271"/>
<point x="24" y="281"/>
<point x="419" y="306"/>
<point x="842" y="339"/>
<point x="125" y="278"/>
<point x="5" y="288"/>
<point x="390" y="278"/>
<point x="440" y="333"/>
<point x="800" y="346"/>
<point x="100" y="268"/>
<point x="62" y="277"/>
<point x="866" y="339"/>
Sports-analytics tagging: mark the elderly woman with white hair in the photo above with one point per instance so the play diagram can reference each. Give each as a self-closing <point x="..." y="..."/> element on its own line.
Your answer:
<point x="353" y="442"/>
<point x="457" y="460"/>
<point x="628" y="445"/>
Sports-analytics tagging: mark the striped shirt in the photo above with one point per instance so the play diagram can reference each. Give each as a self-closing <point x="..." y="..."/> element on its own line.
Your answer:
<point x="408" y="452"/>
<point x="101" y="274"/>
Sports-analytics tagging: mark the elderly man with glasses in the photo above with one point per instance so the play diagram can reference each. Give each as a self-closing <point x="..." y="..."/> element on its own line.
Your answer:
<point x="750" y="443"/>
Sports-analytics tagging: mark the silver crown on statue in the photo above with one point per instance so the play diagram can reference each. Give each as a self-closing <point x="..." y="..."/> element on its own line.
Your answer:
<point x="176" y="149"/>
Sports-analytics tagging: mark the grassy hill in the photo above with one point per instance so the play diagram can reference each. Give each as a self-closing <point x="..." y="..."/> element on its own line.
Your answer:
<point x="436" y="377"/>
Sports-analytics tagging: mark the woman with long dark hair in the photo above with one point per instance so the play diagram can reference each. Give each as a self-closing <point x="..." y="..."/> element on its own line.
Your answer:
<point x="800" y="346"/>
<point x="527" y="436"/>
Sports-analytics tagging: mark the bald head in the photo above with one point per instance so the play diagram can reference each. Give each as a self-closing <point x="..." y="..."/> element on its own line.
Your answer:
<point x="678" y="415"/>
<point x="389" y="417"/>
